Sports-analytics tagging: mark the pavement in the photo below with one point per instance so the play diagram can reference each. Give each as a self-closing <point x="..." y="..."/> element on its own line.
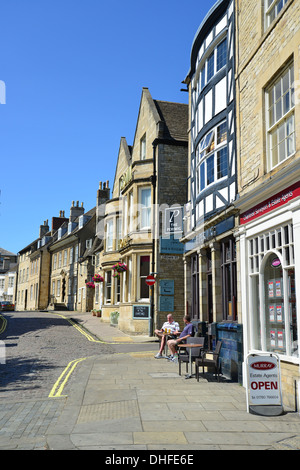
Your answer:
<point x="130" y="401"/>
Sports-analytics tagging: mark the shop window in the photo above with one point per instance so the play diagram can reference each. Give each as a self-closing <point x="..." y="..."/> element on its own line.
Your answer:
<point x="195" y="287"/>
<point x="144" y="272"/>
<point x="229" y="295"/>
<point x="273" y="294"/>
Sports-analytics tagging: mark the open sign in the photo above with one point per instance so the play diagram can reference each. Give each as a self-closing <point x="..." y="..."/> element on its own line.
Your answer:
<point x="264" y="386"/>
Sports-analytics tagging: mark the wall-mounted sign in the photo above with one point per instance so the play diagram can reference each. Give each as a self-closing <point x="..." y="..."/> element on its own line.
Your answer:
<point x="170" y="245"/>
<point x="276" y="262"/>
<point x="272" y="203"/>
<point x="166" y="287"/>
<point x="141" y="312"/>
<point x="173" y="220"/>
<point x="166" y="303"/>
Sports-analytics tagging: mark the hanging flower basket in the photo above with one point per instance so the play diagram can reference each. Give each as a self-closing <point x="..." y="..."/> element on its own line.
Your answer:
<point x="116" y="274"/>
<point x="90" y="285"/>
<point x="120" y="267"/>
<point x="98" y="278"/>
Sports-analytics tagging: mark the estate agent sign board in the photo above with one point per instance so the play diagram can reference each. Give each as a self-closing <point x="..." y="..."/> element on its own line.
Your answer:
<point x="264" y="384"/>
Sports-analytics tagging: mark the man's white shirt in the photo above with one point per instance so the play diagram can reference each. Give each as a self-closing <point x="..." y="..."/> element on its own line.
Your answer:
<point x="174" y="326"/>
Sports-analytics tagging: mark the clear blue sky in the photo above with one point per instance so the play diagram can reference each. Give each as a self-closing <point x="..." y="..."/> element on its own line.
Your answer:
<point x="73" y="73"/>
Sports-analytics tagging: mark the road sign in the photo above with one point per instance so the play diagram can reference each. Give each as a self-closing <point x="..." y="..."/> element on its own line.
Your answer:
<point x="150" y="280"/>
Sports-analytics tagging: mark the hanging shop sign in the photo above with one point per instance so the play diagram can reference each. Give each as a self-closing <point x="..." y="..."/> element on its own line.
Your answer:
<point x="274" y="202"/>
<point x="264" y="395"/>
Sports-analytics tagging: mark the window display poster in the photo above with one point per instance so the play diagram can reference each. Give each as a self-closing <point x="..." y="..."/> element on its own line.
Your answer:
<point x="272" y="338"/>
<point x="279" y="312"/>
<point x="278" y="288"/>
<point x="280" y="339"/>
<point x="271" y="289"/>
<point x="272" y="313"/>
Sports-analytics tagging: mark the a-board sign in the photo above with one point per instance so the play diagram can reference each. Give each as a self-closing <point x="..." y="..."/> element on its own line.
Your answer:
<point x="141" y="311"/>
<point x="264" y="384"/>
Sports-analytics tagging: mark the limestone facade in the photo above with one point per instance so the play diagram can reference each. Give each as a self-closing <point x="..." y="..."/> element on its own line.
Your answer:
<point x="268" y="130"/>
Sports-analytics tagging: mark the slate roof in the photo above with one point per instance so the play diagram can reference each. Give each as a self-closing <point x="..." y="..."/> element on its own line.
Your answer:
<point x="175" y="118"/>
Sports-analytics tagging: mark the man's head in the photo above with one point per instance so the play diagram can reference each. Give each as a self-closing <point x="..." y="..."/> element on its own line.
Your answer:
<point x="170" y="318"/>
<point x="187" y="319"/>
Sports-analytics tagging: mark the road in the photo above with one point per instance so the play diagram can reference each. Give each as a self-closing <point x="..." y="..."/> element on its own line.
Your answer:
<point x="41" y="347"/>
<point x="38" y="348"/>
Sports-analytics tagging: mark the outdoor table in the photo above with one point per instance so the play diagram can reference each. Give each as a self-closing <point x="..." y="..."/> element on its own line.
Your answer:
<point x="168" y="336"/>
<point x="190" y="346"/>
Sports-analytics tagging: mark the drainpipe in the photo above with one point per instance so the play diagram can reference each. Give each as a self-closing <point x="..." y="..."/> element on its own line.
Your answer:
<point x="153" y="181"/>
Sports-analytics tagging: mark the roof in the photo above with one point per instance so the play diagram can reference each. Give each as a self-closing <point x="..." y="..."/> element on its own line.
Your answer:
<point x="175" y="118"/>
<point x="6" y="253"/>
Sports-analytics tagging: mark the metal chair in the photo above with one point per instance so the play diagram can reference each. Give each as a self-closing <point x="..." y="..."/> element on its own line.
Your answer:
<point x="205" y="362"/>
<point x="195" y="352"/>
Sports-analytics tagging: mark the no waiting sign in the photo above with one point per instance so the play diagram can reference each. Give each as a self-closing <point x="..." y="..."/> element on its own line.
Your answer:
<point x="264" y="383"/>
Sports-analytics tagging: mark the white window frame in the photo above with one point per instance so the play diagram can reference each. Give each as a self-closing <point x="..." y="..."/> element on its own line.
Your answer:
<point x="204" y="69"/>
<point x="108" y="274"/>
<point x="203" y="154"/>
<point x="271" y="10"/>
<point x="145" y="210"/>
<point x="143" y="148"/>
<point x="285" y="124"/>
<point x="277" y="240"/>
<point x="140" y="278"/>
<point x="109" y="234"/>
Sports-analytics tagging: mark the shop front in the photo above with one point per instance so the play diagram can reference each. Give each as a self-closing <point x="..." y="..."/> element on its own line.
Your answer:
<point x="269" y="237"/>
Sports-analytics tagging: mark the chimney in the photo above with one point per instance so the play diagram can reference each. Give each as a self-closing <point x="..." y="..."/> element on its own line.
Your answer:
<point x="75" y="211"/>
<point x="58" y="221"/>
<point x="44" y="229"/>
<point x="103" y="195"/>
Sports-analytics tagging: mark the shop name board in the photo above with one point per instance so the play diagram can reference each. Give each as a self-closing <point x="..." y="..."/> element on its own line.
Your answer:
<point x="272" y="203"/>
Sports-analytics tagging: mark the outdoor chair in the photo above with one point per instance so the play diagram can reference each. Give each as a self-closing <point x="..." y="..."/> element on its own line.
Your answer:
<point x="205" y="362"/>
<point x="184" y="356"/>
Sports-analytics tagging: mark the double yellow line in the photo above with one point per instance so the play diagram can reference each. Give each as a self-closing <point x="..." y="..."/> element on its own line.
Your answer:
<point x="3" y="324"/>
<point x="80" y="329"/>
<point x="58" y="387"/>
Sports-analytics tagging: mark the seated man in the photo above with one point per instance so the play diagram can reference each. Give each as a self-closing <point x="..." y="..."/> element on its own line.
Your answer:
<point x="187" y="331"/>
<point x="171" y="325"/>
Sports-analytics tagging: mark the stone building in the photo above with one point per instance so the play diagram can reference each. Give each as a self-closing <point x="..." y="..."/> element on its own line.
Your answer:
<point x="8" y="275"/>
<point x="71" y="267"/>
<point x="210" y="217"/>
<point x="268" y="128"/>
<point x="34" y="270"/>
<point x="148" y="194"/>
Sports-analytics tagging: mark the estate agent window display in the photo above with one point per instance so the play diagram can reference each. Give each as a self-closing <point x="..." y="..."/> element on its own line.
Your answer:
<point x="272" y="292"/>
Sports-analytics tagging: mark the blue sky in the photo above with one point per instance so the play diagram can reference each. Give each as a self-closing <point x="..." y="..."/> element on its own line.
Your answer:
<point x="73" y="72"/>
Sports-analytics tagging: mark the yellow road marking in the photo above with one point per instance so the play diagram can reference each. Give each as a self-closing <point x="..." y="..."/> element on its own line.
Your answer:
<point x="80" y="329"/>
<point x="63" y="378"/>
<point x="4" y="324"/>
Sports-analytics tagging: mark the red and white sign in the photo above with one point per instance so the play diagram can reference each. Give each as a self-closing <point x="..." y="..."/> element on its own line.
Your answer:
<point x="278" y="200"/>
<point x="264" y="385"/>
<point x="150" y="280"/>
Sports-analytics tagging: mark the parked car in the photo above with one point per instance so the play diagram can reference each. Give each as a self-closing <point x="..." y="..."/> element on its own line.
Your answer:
<point x="4" y="305"/>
